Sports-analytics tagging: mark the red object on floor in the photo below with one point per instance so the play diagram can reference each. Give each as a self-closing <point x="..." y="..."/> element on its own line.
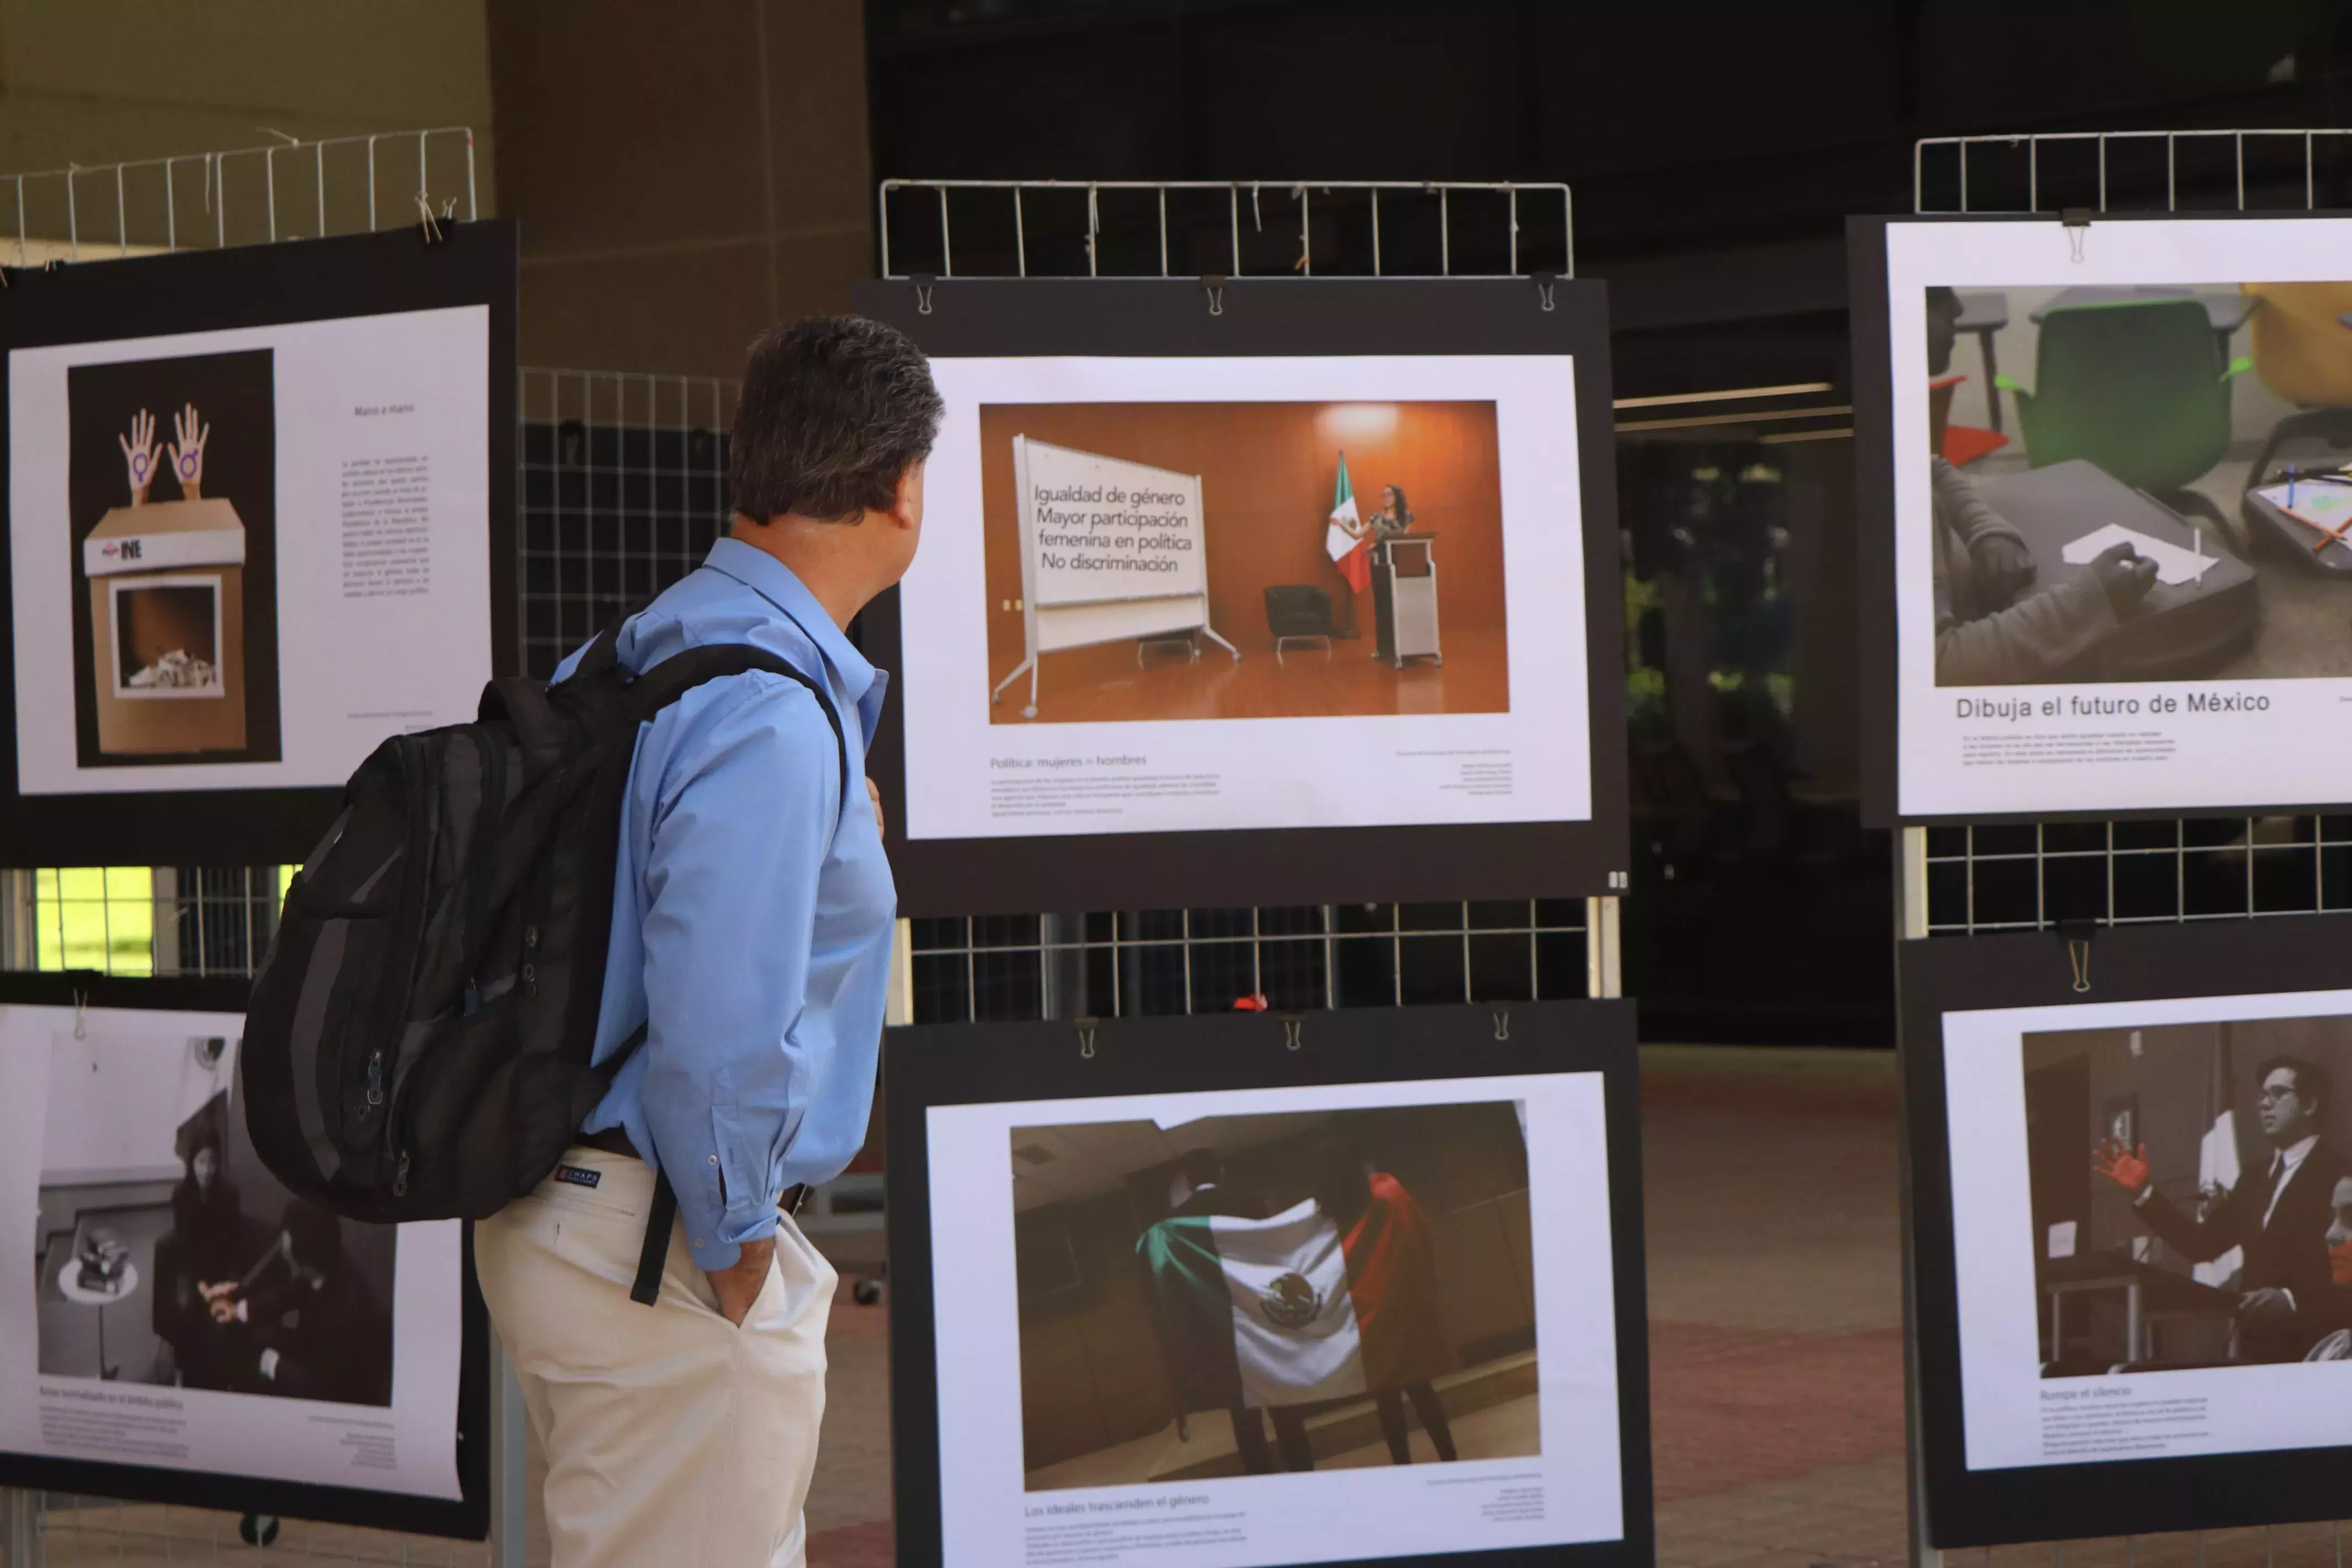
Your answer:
<point x="1964" y="444"/>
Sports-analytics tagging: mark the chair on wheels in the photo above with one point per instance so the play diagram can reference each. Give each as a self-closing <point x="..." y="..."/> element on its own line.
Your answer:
<point x="1298" y="611"/>
<point x="2136" y="387"/>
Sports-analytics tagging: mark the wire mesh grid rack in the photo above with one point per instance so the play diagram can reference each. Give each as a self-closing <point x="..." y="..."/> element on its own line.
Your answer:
<point x="624" y="490"/>
<point x="2033" y="876"/>
<point x="290" y="189"/>
<point x="1181" y="228"/>
<point x="1113" y="964"/>
<point x="2161" y="171"/>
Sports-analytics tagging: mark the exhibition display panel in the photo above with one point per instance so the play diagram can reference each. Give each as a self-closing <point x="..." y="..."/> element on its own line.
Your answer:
<point x="2131" y="1207"/>
<point x="178" y="1328"/>
<point x="1173" y="635"/>
<point x="1256" y="1290"/>
<point x="2103" y="477"/>
<point x="260" y="516"/>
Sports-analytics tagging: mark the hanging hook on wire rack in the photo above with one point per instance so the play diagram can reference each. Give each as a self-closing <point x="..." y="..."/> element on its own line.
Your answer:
<point x="1214" y="282"/>
<point x="1294" y="1030"/>
<point x="430" y="224"/>
<point x="1502" y="1023"/>
<point x="1085" y="1027"/>
<point x="1545" y="283"/>
<point x="2078" y="959"/>
<point x="924" y="282"/>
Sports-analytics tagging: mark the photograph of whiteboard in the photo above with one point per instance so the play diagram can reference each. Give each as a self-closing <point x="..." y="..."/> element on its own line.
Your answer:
<point x="2133" y="1227"/>
<point x="1314" y="599"/>
<point x="259" y="511"/>
<point x="2111" y="500"/>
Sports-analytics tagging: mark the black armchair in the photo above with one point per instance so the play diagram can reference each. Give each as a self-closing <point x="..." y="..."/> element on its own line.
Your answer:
<point x="1298" y="611"/>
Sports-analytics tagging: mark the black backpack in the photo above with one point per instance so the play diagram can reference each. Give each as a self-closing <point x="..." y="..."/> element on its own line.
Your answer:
<point x="417" y="1045"/>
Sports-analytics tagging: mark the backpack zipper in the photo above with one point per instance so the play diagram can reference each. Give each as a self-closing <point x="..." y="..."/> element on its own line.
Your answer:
<point x="400" y="1176"/>
<point x="376" y="1079"/>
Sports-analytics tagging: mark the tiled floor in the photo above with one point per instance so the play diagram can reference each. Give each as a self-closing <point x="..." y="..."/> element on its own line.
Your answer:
<point x="1775" y="1343"/>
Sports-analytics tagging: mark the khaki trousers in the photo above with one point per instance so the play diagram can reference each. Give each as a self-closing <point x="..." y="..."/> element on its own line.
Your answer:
<point x="672" y="1437"/>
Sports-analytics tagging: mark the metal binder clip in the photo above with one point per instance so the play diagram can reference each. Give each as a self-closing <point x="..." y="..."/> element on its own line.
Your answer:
<point x="1502" y="1023"/>
<point x="1544" y="284"/>
<point x="1293" y="1031"/>
<point x="1086" y="1036"/>
<point x="2078" y="959"/>
<point x="81" y="1015"/>
<point x="923" y="282"/>
<point x="1214" y="282"/>
<point x="2077" y="223"/>
<point x="428" y="224"/>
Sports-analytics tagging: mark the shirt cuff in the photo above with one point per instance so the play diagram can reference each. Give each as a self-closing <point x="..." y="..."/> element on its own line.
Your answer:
<point x="721" y="1247"/>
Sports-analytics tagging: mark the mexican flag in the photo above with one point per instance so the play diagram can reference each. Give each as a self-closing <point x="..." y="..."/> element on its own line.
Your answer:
<point x="1291" y="1310"/>
<point x="1350" y="555"/>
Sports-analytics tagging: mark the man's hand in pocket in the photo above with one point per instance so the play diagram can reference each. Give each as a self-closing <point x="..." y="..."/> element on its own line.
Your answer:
<point x="738" y="1287"/>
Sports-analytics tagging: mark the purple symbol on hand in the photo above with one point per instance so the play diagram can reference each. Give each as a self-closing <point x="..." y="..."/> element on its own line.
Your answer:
<point x="139" y="452"/>
<point x="188" y="450"/>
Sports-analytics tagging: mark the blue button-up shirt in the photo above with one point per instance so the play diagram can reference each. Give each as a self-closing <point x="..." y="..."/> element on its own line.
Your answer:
<point x="751" y="909"/>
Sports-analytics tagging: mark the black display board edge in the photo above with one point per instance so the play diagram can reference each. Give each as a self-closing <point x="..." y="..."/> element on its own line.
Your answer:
<point x="2059" y="1502"/>
<point x="1333" y="318"/>
<point x="467" y="1518"/>
<point x="212" y="290"/>
<point x="968" y="1064"/>
<point x="1878" y="618"/>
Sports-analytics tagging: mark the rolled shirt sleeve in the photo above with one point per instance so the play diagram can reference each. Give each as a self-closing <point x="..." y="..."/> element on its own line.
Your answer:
<point x="744" y="821"/>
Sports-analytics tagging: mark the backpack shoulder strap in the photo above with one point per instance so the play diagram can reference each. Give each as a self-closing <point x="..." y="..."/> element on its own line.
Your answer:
<point x="680" y="673"/>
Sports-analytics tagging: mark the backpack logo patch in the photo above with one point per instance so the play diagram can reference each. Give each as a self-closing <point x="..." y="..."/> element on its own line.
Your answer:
<point x="578" y="1176"/>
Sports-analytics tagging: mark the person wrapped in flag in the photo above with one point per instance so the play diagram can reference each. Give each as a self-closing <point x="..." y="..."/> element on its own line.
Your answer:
<point x="1332" y="1299"/>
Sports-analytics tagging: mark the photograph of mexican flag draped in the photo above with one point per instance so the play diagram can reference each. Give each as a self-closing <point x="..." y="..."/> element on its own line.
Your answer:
<point x="1244" y="1295"/>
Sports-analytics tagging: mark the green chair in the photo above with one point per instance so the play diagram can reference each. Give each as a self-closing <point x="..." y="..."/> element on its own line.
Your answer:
<point x="2136" y="387"/>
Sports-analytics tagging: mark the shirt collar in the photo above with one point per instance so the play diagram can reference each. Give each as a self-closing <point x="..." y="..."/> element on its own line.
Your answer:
<point x="2294" y="1154"/>
<point x="774" y="582"/>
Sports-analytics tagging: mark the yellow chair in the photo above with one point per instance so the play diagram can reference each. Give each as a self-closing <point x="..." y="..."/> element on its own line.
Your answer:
<point x="2303" y="350"/>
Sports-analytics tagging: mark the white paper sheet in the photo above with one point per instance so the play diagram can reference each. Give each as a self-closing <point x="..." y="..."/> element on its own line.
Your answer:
<point x="2174" y="566"/>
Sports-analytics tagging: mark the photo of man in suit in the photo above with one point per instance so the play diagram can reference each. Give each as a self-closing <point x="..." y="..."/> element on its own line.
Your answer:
<point x="2278" y="1214"/>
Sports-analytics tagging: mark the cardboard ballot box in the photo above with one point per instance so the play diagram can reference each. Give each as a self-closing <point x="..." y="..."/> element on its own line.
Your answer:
<point x="167" y="627"/>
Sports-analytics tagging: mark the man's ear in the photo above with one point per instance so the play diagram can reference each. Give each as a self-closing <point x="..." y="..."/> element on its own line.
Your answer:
<point x="907" y="500"/>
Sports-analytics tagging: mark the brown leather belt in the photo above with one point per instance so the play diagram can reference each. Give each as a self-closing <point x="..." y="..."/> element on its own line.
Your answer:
<point x="616" y="1140"/>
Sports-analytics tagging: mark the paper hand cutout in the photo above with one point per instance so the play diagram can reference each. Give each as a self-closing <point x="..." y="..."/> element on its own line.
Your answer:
<point x="188" y="451"/>
<point x="138" y="451"/>
<point x="2126" y="1167"/>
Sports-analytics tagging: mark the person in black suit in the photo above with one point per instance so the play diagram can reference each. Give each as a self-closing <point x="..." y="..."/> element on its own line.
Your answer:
<point x="1201" y="1177"/>
<point x="2279" y="1215"/>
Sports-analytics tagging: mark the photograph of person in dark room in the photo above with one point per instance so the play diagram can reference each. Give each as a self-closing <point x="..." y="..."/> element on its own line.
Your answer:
<point x="2140" y="483"/>
<point x="1995" y="623"/>
<point x="165" y="1252"/>
<point x="1358" y="1281"/>
<point x="2211" y="1240"/>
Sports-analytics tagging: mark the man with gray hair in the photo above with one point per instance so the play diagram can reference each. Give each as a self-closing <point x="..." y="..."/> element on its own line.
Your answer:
<point x="753" y="911"/>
